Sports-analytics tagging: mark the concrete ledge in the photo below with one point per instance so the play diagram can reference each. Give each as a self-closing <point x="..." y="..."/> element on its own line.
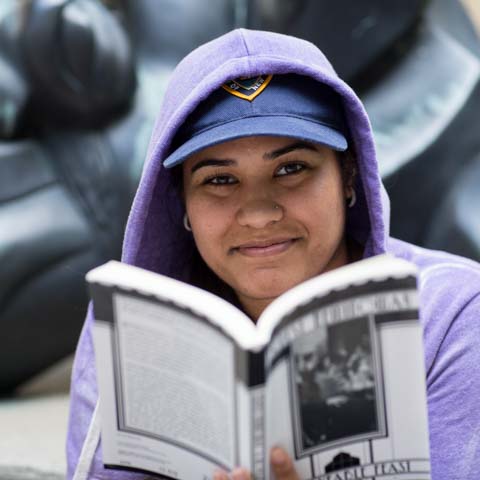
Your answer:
<point x="28" y="474"/>
<point x="34" y="427"/>
<point x="32" y="443"/>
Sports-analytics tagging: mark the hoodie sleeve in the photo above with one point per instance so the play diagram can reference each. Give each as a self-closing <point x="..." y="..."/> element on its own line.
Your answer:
<point x="453" y="396"/>
<point x="84" y="457"/>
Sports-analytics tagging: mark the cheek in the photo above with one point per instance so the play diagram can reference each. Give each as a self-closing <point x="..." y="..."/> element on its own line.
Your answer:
<point x="209" y="221"/>
<point x="321" y="205"/>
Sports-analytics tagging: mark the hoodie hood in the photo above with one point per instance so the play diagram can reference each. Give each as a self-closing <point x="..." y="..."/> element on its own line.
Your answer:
<point x="155" y="238"/>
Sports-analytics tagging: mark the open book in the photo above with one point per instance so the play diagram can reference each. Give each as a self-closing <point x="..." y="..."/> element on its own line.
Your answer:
<point x="333" y="371"/>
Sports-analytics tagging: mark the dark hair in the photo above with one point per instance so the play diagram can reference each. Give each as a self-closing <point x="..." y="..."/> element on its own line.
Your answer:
<point x="348" y="165"/>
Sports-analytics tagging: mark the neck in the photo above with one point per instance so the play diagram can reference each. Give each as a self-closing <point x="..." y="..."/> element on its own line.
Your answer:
<point x="254" y="307"/>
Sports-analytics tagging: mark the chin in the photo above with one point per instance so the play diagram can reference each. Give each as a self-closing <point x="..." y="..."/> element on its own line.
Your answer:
<point x="265" y="287"/>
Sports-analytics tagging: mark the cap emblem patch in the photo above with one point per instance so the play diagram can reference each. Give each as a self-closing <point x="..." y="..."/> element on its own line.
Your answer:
<point x="247" y="88"/>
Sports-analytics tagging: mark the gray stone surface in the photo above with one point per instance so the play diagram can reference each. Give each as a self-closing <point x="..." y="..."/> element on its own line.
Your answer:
<point x="33" y="427"/>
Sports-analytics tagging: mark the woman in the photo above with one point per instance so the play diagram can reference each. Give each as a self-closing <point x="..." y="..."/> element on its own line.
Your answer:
<point x="261" y="173"/>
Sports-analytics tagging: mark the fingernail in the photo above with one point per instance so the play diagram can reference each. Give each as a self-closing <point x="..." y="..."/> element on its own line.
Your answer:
<point x="278" y="456"/>
<point x="239" y="474"/>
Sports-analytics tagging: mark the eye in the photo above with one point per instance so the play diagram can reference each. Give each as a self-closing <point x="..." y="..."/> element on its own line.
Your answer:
<point x="220" y="180"/>
<point x="290" y="168"/>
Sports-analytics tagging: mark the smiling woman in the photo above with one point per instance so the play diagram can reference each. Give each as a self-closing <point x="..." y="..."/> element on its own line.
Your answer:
<point x="262" y="173"/>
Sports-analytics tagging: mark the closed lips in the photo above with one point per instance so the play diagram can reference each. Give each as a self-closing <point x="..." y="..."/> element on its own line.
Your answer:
<point x="265" y="247"/>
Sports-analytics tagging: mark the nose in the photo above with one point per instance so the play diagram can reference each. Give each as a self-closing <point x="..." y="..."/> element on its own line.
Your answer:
<point x="259" y="213"/>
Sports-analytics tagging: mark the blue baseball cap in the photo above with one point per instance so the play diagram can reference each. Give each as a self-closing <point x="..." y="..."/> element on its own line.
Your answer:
<point x="278" y="105"/>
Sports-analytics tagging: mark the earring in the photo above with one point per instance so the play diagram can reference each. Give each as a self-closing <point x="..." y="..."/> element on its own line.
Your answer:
<point x="186" y="223"/>
<point x="353" y="199"/>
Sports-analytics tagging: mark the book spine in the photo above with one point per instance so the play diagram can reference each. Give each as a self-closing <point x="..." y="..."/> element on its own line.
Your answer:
<point x="256" y="384"/>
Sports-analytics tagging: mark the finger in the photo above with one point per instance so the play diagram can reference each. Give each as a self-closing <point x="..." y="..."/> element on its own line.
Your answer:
<point x="240" y="474"/>
<point x="220" y="475"/>
<point x="282" y="465"/>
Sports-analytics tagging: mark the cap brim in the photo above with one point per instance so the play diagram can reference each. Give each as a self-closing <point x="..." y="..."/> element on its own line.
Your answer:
<point x="277" y="126"/>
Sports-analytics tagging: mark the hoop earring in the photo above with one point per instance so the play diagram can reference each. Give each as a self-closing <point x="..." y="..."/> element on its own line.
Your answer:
<point x="353" y="199"/>
<point x="186" y="223"/>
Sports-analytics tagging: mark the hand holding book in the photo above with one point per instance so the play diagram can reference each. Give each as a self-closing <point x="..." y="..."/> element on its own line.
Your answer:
<point x="280" y="463"/>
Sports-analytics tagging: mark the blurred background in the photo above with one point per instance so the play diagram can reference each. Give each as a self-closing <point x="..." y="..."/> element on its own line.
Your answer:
<point x="80" y="84"/>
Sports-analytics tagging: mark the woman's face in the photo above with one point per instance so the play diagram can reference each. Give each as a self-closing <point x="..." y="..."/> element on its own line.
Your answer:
<point x="266" y="213"/>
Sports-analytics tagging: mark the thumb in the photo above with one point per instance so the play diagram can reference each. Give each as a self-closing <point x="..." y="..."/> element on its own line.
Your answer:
<point x="282" y="465"/>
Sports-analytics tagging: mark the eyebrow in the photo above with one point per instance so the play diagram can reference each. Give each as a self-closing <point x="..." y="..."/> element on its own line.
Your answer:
<point x="289" y="148"/>
<point x="212" y="162"/>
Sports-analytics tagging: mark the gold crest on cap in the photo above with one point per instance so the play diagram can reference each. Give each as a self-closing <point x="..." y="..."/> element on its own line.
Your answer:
<point x="247" y="88"/>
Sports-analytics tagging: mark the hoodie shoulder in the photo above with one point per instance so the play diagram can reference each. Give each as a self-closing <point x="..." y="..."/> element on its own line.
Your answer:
<point x="449" y="313"/>
<point x="448" y="285"/>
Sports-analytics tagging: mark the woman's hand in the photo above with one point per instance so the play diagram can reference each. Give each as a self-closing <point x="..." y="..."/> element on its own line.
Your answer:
<point x="280" y="462"/>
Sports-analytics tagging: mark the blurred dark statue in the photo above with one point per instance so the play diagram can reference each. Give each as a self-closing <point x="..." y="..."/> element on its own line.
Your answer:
<point x="65" y="184"/>
<point x="81" y="82"/>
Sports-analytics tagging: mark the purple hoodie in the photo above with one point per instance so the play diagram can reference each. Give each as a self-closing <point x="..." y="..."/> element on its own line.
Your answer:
<point x="156" y="240"/>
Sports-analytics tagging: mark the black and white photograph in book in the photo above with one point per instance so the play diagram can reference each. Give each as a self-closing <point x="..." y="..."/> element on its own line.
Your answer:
<point x="336" y="386"/>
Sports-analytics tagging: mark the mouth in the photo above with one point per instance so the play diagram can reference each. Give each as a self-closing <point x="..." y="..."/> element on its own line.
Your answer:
<point x="265" y="248"/>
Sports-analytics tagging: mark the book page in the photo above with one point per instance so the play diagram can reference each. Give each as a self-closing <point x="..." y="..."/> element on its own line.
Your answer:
<point x="345" y="391"/>
<point x="174" y="379"/>
<point x="201" y="303"/>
